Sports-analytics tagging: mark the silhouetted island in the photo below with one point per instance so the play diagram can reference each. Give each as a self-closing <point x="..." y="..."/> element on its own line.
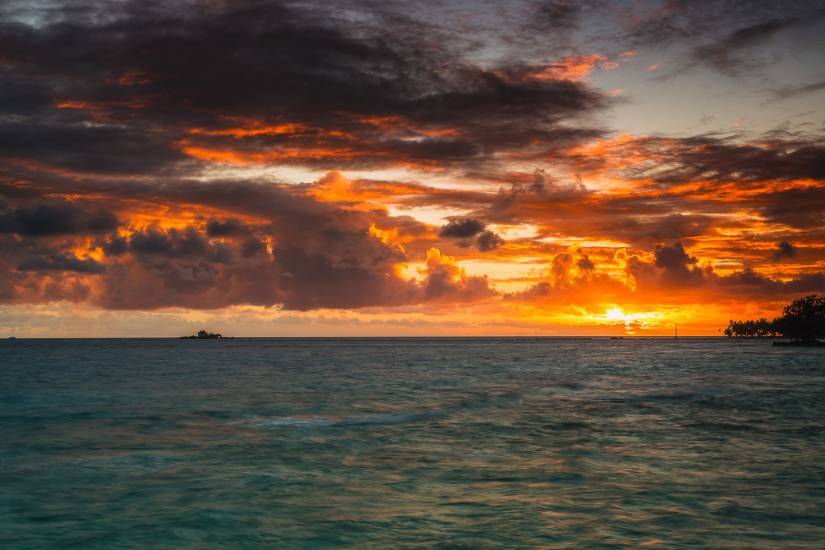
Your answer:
<point x="803" y="321"/>
<point x="203" y="335"/>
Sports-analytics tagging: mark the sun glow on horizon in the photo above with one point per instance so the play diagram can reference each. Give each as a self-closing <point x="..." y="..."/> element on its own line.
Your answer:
<point x="633" y="322"/>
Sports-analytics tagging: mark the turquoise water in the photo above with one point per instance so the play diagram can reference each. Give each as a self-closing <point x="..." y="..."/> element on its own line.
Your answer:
<point x="411" y="443"/>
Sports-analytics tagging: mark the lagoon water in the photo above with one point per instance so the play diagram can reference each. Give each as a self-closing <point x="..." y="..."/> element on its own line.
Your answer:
<point x="411" y="443"/>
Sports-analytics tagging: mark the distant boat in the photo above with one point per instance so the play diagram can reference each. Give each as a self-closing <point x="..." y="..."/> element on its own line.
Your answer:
<point x="203" y="335"/>
<point x="617" y="337"/>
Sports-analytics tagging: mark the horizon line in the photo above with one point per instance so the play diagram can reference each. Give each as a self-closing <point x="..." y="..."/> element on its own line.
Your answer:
<point x="388" y="337"/>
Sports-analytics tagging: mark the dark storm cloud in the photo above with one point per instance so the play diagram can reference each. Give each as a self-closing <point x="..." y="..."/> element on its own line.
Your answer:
<point x="115" y="245"/>
<point x="152" y="243"/>
<point x="673" y="258"/>
<point x="322" y="256"/>
<point x="58" y="262"/>
<point x="785" y="250"/>
<point x="20" y="96"/>
<point x="349" y="269"/>
<point x="155" y="80"/>
<point x="38" y="269"/>
<point x="461" y="228"/>
<point x="252" y="247"/>
<point x="672" y="267"/>
<point x="318" y="279"/>
<point x="750" y="283"/>
<point x="712" y="175"/>
<point x="801" y="208"/>
<point x="472" y="233"/>
<point x="114" y="100"/>
<point x="94" y="149"/>
<point x="487" y="240"/>
<point x="55" y="218"/>
<point x="226" y="228"/>
<point x="173" y="243"/>
<point x="439" y="149"/>
<point x="715" y="158"/>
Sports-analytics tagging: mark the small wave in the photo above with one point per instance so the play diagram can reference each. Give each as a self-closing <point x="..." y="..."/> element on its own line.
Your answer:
<point x="388" y="419"/>
<point x="291" y="421"/>
<point x="675" y="395"/>
<point x="345" y="421"/>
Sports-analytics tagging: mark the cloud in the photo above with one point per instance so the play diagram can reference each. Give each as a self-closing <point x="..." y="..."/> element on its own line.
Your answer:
<point x="135" y="179"/>
<point x="653" y="227"/>
<point x="801" y="207"/>
<point x="787" y="92"/>
<point x="226" y="228"/>
<point x="252" y="247"/>
<point x="56" y="218"/>
<point x="574" y="68"/>
<point x="672" y="258"/>
<point x="266" y="83"/>
<point x="785" y="250"/>
<point x="300" y="254"/>
<point x="723" y="54"/>
<point x="445" y="281"/>
<point x="725" y="159"/>
<point x="487" y="240"/>
<point x="174" y="243"/>
<point x="722" y="35"/>
<point x="461" y="228"/>
<point x="93" y="148"/>
<point x="56" y="262"/>
<point x="557" y="15"/>
<point x="471" y="231"/>
<point x="114" y="245"/>
<point x="672" y="269"/>
<point x="669" y="276"/>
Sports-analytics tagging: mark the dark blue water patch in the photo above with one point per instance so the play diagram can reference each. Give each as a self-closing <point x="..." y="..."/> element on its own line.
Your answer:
<point x="419" y="443"/>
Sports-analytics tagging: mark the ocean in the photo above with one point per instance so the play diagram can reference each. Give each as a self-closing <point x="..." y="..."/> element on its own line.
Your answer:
<point x="411" y="443"/>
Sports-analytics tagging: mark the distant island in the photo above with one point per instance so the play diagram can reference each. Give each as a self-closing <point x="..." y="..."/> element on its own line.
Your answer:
<point x="203" y="335"/>
<point x="803" y="321"/>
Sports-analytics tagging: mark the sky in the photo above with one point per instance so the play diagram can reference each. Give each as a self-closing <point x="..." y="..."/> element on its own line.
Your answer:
<point x="380" y="168"/>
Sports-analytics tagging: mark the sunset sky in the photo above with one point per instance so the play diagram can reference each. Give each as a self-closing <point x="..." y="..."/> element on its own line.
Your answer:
<point x="408" y="168"/>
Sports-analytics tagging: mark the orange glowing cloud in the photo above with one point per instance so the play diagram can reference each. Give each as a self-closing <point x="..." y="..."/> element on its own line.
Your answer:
<point x="229" y="156"/>
<point x="257" y="129"/>
<point x="578" y="67"/>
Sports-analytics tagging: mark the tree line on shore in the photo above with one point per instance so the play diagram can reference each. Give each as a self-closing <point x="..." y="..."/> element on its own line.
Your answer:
<point x="802" y="320"/>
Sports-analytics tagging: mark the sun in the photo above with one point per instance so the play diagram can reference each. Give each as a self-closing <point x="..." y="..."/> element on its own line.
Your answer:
<point x="632" y="321"/>
<point x="615" y="314"/>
